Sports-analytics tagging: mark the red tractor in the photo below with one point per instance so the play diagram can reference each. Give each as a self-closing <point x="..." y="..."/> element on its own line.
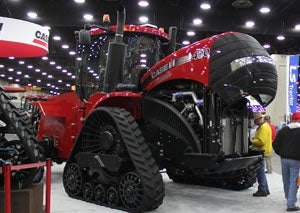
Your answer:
<point x="141" y="106"/>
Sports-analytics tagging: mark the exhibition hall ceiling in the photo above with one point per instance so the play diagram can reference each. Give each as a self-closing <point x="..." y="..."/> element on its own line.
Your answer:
<point x="194" y="22"/>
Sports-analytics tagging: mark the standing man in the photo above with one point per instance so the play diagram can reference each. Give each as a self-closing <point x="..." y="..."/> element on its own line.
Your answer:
<point x="262" y="140"/>
<point x="287" y="146"/>
<point x="268" y="159"/>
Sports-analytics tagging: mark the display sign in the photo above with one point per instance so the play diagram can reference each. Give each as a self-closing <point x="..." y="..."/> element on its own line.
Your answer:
<point x="293" y="83"/>
<point x="22" y="39"/>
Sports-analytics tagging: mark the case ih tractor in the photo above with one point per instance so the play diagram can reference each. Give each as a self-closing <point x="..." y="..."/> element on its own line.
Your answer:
<point x="141" y="106"/>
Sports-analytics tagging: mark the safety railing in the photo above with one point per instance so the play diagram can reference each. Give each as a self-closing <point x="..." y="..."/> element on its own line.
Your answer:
<point x="7" y="168"/>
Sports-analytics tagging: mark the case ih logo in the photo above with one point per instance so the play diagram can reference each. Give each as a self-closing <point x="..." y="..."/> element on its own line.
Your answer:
<point x="41" y="38"/>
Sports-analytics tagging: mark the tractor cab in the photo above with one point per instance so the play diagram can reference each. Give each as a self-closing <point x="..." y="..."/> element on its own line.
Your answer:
<point x="145" y="46"/>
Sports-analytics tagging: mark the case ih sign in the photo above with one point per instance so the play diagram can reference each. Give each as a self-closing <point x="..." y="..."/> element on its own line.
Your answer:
<point x="22" y="39"/>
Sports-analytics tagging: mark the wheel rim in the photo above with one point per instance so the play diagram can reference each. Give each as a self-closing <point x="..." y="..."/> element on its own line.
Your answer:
<point x="72" y="179"/>
<point x="131" y="190"/>
<point x="99" y="193"/>
<point x="101" y="135"/>
<point x="112" y="196"/>
<point x="87" y="191"/>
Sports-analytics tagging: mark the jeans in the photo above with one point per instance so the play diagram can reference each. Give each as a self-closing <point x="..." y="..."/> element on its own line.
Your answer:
<point x="290" y="172"/>
<point x="268" y="160"/>
<point x="262" y="179"/>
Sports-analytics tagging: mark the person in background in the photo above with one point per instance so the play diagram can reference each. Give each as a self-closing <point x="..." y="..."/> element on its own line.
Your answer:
<point x="287" y="145"/>
<point x="262" y="140"/>
<point x="268" y="159"/>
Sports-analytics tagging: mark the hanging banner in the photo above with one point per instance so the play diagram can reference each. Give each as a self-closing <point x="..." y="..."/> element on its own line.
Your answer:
<point x="22" y="39"/>
<point x="293" y="83"/>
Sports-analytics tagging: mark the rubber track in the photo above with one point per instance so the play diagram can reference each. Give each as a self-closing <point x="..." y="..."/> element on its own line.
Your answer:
<point x="141" y="157"/>
<point x="20" y="125"/>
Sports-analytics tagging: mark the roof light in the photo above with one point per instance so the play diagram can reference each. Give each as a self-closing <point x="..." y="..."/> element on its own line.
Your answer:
<point x="143" y="19"/>
<point x="143" y="3"/>
<point x="79" y="1"/>
<point x="32" y="14"/>
<point x="280" y="37"/>
<point x="88" y="17"/>
<point x="197" y="21"/>
<point x="190" y="33"/>
<point x="297" y="27"/>
<point x="205" y="6"/>
<point x="264" y="10"/>
<point x="185" y="42"/>
<point x="250" y="24"/>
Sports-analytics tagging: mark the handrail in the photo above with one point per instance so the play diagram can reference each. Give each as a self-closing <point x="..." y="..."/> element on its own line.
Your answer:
<point x="7" y="168"/>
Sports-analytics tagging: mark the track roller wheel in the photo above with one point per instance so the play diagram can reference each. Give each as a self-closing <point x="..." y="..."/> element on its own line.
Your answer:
<point x="87" y="191"/>
<point x="99" y="193"/>
<point x="112" y="196"/>
<point x="131" y="191"/>
<point x="72" y="179"/>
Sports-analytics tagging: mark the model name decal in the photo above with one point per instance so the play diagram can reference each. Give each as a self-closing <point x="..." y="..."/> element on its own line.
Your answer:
<point x="201" y="53"/>
<point x="41" y="36"/>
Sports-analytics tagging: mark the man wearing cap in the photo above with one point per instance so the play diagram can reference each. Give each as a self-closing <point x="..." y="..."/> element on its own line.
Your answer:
<point x="287" y="145"/>
<point x="262" y="140"/>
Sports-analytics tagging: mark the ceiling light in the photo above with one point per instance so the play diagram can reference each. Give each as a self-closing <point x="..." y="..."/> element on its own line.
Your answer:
<point x="65" y="46"/>
<point x="32" y="14"/>
<point x="10" y="69"/>
<point x="280" y="37"/>
<point x="264" y="10"/>
<point x="29" y="66"/>
<point x="10" y="78"/>
<point x="185" y="42"/>
<point x="190" y="33"/>
<point x="11" y="57"/>
<point x="143" y="3"/>
<point x="52" y="62"/>
<point x="297" y="27"/>
<point x="38" y="80"/>
<point x="79" y="1"/>
<point x="143" y="19"/>
<point x="266" y="46"/>
<point x="17" y="80"/>
<point x="50" y="76"/>
<point x="1" y="66"/>
<point x="72" y="53"/>
<point x="197" y="21"/>
<point x="21" y="62"/>
<point x="58" y="67"/>
<point x="205" y="6"/>
<point x="56" y="38"/>
<point x="250" y="24"/>
<point x="45" y="58"/>
<point x="19" y="72"/>
<point x="37" y="70"/>
<point x="88" y="17"/>
<point x="26" y="76"/>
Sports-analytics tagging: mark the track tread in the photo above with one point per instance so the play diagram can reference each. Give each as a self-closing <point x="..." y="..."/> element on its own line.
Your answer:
<point x="141" y="156"/>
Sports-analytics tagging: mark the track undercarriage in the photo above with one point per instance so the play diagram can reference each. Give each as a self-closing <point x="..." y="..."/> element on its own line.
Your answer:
<point x="112" y="164"/>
